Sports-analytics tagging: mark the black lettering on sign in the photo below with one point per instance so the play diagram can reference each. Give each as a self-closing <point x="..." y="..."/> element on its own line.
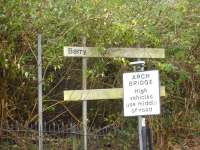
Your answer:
<point x="130" y="105"/>
<point x="140" y="76"/>
<point x="141" y="97"/>
<point x="134" y="110"/>
<point x="76" y="51"/>
<point x="140" y="91"/>
<point x="84" y="52"/>
<point x="149" y="109"/>
<point x="69" y="50"/>
<point x="147" y="103"/>
<point x="140" y="82"/>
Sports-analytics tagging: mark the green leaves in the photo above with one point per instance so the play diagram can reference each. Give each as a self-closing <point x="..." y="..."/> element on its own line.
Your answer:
<point x="167" y="67"/>
<point x="173" y="25"/>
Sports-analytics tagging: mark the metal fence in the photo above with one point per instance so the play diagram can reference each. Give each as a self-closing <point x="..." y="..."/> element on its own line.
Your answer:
<point x="60" y="136"/>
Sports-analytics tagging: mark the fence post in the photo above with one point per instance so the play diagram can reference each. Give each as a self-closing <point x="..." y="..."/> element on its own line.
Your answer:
<point x="40" y="117"/>
<point x="73" y="132"/>
<point x="84" y="87"/>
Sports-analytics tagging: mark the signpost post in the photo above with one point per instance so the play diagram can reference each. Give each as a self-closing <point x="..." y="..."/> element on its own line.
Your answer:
<point x="40" y="125"/>
<point x="141" y="79"/>
<point x="84" y="106"/>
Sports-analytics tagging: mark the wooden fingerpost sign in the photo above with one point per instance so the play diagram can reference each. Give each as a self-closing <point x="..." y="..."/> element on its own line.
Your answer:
<point x="114" y="93"/>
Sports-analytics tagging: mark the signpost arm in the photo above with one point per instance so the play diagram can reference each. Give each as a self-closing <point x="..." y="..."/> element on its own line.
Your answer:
<point x="40" y="118"/>
<point x="84" y="106"/>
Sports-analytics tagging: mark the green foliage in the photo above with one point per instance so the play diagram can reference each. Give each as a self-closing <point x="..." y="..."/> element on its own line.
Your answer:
<point x="167" y="67"/>
<point x="173" y="25"/>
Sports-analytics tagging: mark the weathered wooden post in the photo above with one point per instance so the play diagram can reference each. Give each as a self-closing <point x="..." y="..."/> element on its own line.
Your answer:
<point x="40" y="116"/>
<point x="84" y="87"/>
